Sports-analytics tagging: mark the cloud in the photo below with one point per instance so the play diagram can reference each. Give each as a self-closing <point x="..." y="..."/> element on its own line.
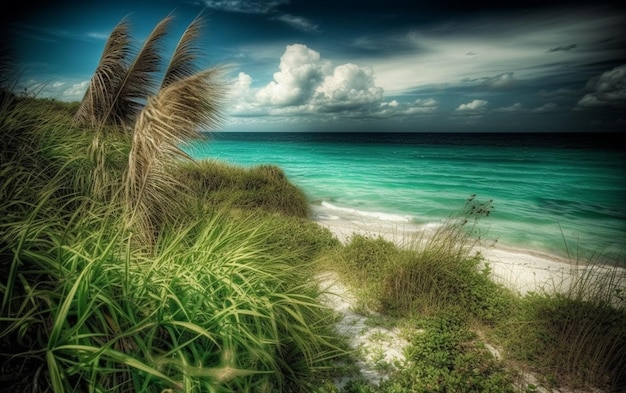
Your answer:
<point x="49" y="34"/>
<point x="242" y="99"/>
<point x="98" y="36"/>
<point x="245" y="6"/>
<point x="517" y="107"/>
<point x="474" y="106"/>
<point x="420" y="107"/>
<point x="566" y="48"/>
<point x="57" y="90"/>
<point x="301" y="71"/>
<point x="606" y="90"/>
<point x="501" y="81"/>
<point x="559" y="93"/>
<point x="75" y="92"/>
<point x="349" y="86"/>
<point x="306" y="84"/>
<point x="470" y="50"/>
<point x="299" y="23"/>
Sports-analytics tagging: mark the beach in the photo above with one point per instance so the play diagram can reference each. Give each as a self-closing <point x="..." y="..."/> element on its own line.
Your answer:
<point x="522" y="271"/>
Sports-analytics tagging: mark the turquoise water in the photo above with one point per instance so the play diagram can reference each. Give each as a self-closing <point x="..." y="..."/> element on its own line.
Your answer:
<point x="548" y="190"/>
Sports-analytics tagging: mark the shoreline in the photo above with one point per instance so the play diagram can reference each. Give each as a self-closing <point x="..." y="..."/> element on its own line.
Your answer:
<point x="522" y="271"/>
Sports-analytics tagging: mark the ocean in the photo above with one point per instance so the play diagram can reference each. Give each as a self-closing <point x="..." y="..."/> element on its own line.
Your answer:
<point x="554" y="194"/>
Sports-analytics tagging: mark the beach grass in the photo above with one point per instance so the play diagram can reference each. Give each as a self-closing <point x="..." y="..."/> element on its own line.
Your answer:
<point x="221" y="301"/>
<point x="570" y="338"/>
<point x="430" y="272"/>
<point x="263" y="187"/>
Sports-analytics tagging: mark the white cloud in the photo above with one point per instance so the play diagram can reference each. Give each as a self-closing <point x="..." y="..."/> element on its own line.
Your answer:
<point x="501" y="81"/>
<point x="426" y="103"/>
<point x="301" y="71"/>
<point x="474" y="106"/>
<point x="348" y="86"/>
<point x="75" y="92"/>
<point x="308" y="84"/>
<point x="58" y="90"/>
<point x="242" y="98"/>
<point x="606" y="90"/>
<point x="420" y="107"/>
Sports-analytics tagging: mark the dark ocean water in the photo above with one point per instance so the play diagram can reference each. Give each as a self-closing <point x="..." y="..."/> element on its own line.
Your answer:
<point x="550" y="192"/>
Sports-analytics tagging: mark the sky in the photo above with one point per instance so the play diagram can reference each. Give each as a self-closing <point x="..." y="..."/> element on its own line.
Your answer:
<point x="384" y="66"/>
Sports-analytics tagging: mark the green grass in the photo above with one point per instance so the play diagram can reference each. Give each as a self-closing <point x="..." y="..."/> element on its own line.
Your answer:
<point x="574" y="339"/>
<point x="221" y="302"/>
<point x="262" y="187"/>
<point x="223" y="298"/>
<point x="433" y="272"/>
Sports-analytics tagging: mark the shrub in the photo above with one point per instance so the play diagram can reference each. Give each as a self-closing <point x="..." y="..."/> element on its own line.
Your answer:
<point x="571" y="342"/>
<point x="264" y="188"/>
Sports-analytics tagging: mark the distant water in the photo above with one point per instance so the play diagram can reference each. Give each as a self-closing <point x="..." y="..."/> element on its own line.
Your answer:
<point x="548" y="190"/>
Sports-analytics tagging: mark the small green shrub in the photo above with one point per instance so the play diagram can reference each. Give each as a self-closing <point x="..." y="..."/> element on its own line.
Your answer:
<point x="571" y="342"/>
<point x="263" y="188"/>
<point x="440" y="270"/>
<point x="445" y="357"/>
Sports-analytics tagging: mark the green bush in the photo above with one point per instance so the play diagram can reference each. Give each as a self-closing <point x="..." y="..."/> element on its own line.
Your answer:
<point x="571" y="342"/>
<point x="263" y="188"/>
<point x="440" y="270"/>
<point x="446" y="357"/>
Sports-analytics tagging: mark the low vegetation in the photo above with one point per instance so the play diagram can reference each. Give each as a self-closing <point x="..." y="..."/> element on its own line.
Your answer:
<point x="127" y="267"/>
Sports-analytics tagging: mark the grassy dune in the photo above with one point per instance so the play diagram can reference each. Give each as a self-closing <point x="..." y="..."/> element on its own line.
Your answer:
<point x="224" y="299"/>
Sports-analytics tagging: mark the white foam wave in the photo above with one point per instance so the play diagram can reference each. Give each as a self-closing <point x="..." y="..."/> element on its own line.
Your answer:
<point x="351" y="212"/>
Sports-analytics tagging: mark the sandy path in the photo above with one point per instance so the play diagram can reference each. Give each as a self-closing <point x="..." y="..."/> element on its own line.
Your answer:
<point x="380" y="349"/>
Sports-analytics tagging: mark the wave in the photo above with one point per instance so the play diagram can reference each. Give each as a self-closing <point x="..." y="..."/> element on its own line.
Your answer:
<point x="348" y="212"/>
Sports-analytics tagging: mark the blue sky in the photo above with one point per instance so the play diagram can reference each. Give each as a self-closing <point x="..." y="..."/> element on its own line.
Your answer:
<point x="358" y="65"/>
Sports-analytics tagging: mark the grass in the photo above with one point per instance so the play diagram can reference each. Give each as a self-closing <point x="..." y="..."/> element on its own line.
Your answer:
<point x="432" y="272"/>
<point x="220" y="302"/>
<point x="224" y="299"/>
<point x="263" y="187"/>
<point x="441" y="286"/>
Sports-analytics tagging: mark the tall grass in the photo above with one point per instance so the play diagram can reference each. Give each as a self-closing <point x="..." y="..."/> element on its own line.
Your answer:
<point x="262" y="187"/>
<point x="221" y="302"/>
<point x="574" y="337"/>
<point x="211" y="311"/>
<point x="431" y="273"/>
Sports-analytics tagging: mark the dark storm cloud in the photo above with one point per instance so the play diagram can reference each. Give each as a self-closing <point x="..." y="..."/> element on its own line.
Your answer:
<point x="439" y="65"/>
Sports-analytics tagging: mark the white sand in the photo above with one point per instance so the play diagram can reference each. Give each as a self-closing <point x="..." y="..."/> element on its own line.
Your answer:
<point x="520" y="270"/>
<point x="380" y="349"/>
